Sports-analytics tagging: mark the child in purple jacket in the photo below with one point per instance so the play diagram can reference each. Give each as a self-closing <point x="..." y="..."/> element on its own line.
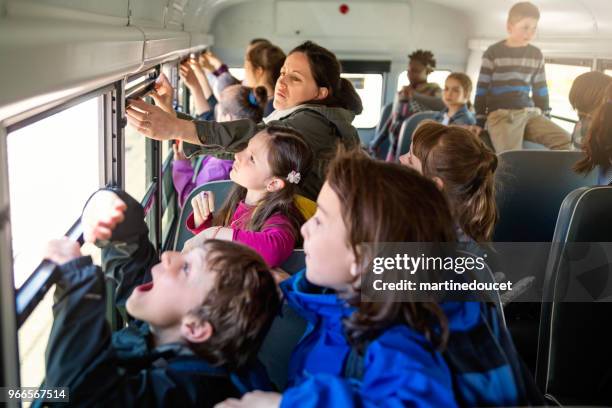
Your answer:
<point x="260" y="212"/>
<point x="236" y="102"/>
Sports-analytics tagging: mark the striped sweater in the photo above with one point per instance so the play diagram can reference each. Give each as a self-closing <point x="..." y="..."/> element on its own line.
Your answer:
<point x="507" y="77"/>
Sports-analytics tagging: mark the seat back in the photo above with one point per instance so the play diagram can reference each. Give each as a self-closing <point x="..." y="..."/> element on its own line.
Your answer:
<point x="221" y="190"/>
<point x="531" y="187"/>
<point x="408" y="128"/>
<point x="574" y="355"/>
<point x="295" y="263"/>
<point x="385" y="116"/>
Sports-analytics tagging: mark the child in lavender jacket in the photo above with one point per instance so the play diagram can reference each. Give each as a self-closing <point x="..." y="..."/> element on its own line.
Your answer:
<point x="261" y="211"/>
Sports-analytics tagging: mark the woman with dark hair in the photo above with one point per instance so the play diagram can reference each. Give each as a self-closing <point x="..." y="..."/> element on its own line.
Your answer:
<point x="393" y="351"/>
<point x="309" y="96"/>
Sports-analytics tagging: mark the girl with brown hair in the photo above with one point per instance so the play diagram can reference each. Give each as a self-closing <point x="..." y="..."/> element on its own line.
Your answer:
<point x="390" y="352"/>
<point x="464" y="168"/>
<point x="597" y="144"/>
<point x="260" y="211"/>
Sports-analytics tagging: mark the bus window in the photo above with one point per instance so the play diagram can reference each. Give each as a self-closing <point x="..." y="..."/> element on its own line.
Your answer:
<point x="608" y="72"/>
<point x="438" y="77"/>
<point x="559" y="78"/>
<point x="53" y="168"/>
<point x="237" y="73"/>
<point x="135" y="163"/>
<point x="369" y="87"/>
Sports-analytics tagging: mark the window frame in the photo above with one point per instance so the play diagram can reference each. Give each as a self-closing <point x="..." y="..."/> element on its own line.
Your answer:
<point x="43" y="277"/>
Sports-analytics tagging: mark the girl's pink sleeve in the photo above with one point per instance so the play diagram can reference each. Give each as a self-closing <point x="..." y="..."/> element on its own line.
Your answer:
<point x="274" y="242"/>
<point x="182" y="175"/>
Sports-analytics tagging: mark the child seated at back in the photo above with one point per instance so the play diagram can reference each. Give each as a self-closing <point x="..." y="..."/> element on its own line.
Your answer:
<point x="201" y="315"/>
<point x="390" y="352"/>
<point x="511" y="69"/>
<point x="597" y="144"/>
<point x="585" y="96"/>
<point x="260" y="211"/>
<point x="456" y="97"/>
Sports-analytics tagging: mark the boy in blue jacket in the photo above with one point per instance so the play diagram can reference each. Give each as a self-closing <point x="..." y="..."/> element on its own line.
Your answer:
<point x="201" y="315"/>
<point x="386" y="353"/>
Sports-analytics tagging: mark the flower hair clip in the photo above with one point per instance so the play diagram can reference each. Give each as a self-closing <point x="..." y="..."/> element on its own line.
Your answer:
<point x="294" y="177"/>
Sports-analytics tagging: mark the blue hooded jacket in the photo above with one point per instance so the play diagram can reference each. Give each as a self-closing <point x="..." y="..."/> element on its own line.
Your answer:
<point x="400" y="366"/>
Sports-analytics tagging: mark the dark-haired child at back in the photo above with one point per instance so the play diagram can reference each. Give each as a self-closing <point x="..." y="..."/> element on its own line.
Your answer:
<point x="201" y="315"/>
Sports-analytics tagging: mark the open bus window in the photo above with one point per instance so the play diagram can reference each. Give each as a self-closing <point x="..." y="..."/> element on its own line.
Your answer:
<point x="53" y="168"/>
<point x="369" y="87"/>
<point x="438" y="77"/>
<point x="559" y="78"/>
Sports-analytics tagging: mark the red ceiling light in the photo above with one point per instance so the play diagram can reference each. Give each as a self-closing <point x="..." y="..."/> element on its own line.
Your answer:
<point x="344" y="8"/>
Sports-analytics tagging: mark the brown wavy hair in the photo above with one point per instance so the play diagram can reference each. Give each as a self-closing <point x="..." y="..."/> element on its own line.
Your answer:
<point x="288" y="152"/>
<point x="387" y="202"/>
<point x="597" y="144"/>
<point x="467" y="169"/>
<point x="587" y="92"/>
<point x="268" y="57"/>
<point x="236" y="100"/>
<point x="240" y="306"/>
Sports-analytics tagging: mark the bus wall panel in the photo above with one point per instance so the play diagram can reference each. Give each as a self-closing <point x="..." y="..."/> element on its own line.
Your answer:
<point x="43" y="57"/>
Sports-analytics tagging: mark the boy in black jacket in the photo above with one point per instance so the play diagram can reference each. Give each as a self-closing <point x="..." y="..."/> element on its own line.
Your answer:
<point x="201" y="315"/>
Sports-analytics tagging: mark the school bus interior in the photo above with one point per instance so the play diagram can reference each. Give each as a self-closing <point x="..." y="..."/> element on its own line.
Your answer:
<point x="68" y="66"/>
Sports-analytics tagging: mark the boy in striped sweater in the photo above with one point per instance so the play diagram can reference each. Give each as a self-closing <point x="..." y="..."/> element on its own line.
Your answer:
<point x="510" y="70"/>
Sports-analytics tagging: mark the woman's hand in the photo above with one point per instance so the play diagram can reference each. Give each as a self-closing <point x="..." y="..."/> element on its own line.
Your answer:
<point x="155" y="123"/>
<point x="255" y="399"/>
<point x="101" y="215"/>
<point x="405" y="93"/>
<point x="63" y="250"/>
<point x="213" y="60"/>
<point x="203" y="206"/>
<point x="163" y="94"/>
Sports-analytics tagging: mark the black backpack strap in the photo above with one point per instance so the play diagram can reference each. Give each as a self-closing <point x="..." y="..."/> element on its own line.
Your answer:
<point x="354" y="364"/>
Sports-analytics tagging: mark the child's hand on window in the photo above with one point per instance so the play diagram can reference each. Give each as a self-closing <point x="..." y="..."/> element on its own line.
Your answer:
<point x="62" y="250"/>
<point x="163" y="94"/>
<point x="101" y="215"/>
<point x="177" y="148"/>
<point x="188" y="76"/>
<point x="203" y="206"/>
<point x="213" y="60"/>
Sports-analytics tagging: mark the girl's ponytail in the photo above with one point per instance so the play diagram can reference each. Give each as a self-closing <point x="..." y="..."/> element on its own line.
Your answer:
<point x="467" y="169"/>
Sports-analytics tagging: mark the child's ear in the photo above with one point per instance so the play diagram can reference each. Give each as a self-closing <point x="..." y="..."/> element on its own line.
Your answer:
<point x="275" y="184"/>
<point x="195" y="330"/>
<point x="322" y="94"/>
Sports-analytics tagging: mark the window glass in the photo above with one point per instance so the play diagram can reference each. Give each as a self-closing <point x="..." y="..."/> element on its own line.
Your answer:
<point x="237" y="73"/>
<point x="608" y="72"/>
<point x="438" y="76"/>
<point x="559" y="78"/>
<point x="369" y="87"/>
<point x="135" y="163"/>
<point x="53" y="168"/>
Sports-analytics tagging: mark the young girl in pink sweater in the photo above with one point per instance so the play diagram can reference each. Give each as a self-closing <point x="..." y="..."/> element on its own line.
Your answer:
<point x="260" y="212"/>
